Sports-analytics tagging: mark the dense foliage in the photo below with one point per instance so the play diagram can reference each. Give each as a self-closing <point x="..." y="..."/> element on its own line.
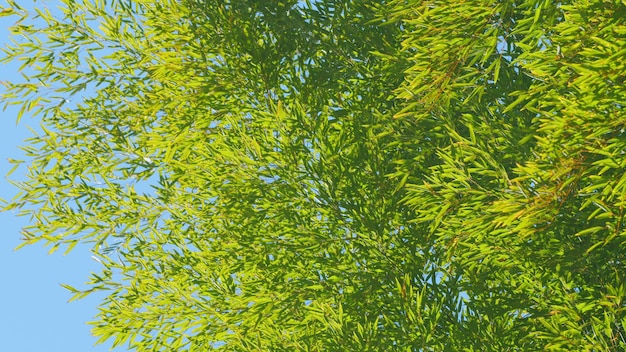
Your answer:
<point x="337" y="175"/>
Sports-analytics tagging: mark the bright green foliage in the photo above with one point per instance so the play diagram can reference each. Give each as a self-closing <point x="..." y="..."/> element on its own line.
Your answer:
<point x="343" y="175"/>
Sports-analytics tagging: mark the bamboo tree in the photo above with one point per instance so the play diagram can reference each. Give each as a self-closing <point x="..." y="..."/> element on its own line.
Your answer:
<point x="333" y="175"/>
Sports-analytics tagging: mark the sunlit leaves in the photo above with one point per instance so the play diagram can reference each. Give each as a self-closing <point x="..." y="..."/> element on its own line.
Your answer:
<point x="337" y="175"/>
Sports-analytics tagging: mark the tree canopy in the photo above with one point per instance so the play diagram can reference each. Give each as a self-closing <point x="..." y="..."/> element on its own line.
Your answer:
<point x="333" y="175"/>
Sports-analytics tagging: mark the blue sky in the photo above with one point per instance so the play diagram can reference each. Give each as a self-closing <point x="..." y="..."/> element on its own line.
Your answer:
<point x="35" y="315"/>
